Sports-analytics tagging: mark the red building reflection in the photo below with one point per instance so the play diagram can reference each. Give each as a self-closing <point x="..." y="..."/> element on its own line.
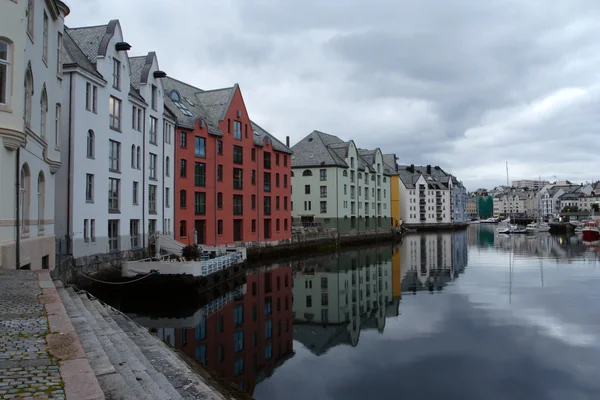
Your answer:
<point x="249" y="337"/>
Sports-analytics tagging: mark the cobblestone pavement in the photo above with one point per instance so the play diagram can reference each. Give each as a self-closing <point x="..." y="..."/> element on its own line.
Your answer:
<point x="26" y="368"/>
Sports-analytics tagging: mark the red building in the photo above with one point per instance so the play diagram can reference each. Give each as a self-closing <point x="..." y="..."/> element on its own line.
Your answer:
<point x="248" y="338"/>
<point x="232" y="178"/>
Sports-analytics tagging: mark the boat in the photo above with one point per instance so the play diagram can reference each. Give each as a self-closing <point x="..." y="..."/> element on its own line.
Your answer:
<point x="475" y="221"/>
<point x="508" y="228"/>
<point x="591" y="231"/>
<point x="491" y="220"/>
<point x="537" y="227"/>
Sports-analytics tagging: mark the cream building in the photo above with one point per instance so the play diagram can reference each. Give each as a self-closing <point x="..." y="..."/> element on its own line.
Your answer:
<point x="31" y="80"/>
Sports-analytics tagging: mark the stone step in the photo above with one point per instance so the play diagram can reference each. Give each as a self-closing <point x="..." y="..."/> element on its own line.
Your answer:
<point x="121" y="383"/>
<point x="187" y="382"/>
<point x="123" y="361"/>
<point x="154" y="382"/>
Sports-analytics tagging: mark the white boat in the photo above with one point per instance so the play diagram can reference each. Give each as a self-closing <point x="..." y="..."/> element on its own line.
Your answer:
<point x="492" y="220"/>
<point x="537" y="227"/>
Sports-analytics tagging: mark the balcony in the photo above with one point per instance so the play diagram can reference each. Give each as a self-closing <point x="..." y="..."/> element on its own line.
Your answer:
<point x="238" y="185"/>
<point x="438" y="194"/>
<point x="267" y="187"/>
<point x="352" y="196"/>
<point x="267" y="210"/>
<point x="422" y="201"/>
<point x="238" y="209"/>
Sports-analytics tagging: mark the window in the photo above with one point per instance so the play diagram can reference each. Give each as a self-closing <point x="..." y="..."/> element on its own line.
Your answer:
<point x="285" y="202"/>
<point x="89" y="188"/>
<point x="220" y="227"/>
<point x="277" y="158"/>
<point x="219" y="173"/>
<point x="201" y="353"/>
<point x="44" y="113"/>
<point x="5" y="52"/>
<point x="277" y="230"/>
<point x="92" y="230"/>
<point x="200" y="147"/>
<point x="238" y="336"/>
<point x="153" y="133"/>
<point x="45" y="39"/>
<point x="95" y="99"/>
<point x="116" y="74"/>
<point x="30" y="20"/>
<point x="219" y="200"/>
<point x="134" y="233"/>
<point x="268" y="351"/>
<point x="277" y="202"/>
<point x="28" y="96"/>
<point x="238" y="182"/>
<point x="154" y="97"/>
<point x="284" y="160"/>
<point x="167" y="166"/>
<point x="268" y="329"/>
<point x="323" y="207"/>
<point x="267" y="160"/>
<point x="237" y="130"/>
<point x="199" y="174"/>
<point x="253" y="203"/>
<point x="308" y="301"/>
<point x="113" y="234"/>
<point x="57" y="121"/>
<point x="86" y="238"/>
<point x="90" y="144"/>
<point x="253" y="226"/>
<point x="200" y="203"/>
<point x="323" y="191"/>
<point x="239" y="369"/>
<point x="238" y="155"/>
<point x="267" y="205"/>
<point x="152" y="198"/>
<point x="153" y="158"/>
<point x="182" y="140"/>
<point x="307" y="172"/>
<point x="182" y="168"/>
<point x="267" y="181"/>
<point x="114" y="156"/>
<point x="59" y="55"/>
<point x="138" y="157"/>
<point x="113" y="194"/>
<point x="277" y="180"/>
<point x="238" y="316"/>
<point x="220" y="147"/>
<point x="323" y="174"/>
<point x="168" y="132"/>
<point x="183" y="199"/>
<point x="285" y="228"/>
<point x="253" y="155"/>
<point x="253" y="177"/>
<point x="238" y="204"/>
<point x="115" y="113"/>
<point x="135" y="194"/>
<point x="306" y="189"/>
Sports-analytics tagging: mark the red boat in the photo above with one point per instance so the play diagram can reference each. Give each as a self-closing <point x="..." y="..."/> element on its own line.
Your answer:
<point x="591" y="232"/>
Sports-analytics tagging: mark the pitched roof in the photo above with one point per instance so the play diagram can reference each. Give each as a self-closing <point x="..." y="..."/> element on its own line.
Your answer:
<point x="437" y="181"/>
<point x="260" y="133"/>
<point x="88" y="39"/>
<point x="74" y="56"/>
<point x="314" y="150"/>
<point x="136" y="64"/>
<point x="216" y="102"/>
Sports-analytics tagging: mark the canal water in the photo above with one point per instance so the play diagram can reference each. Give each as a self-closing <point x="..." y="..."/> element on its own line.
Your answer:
<point x="455" y="315"/>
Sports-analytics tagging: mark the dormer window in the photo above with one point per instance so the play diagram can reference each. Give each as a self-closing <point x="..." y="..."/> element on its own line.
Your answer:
<point x="116" y="74"/>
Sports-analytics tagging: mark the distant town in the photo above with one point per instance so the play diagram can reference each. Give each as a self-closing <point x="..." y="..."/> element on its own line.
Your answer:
<point x="535" y="199"/>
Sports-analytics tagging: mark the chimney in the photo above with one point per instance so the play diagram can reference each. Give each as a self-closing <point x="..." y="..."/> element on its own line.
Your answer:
<point x="287" y="141"/>
<point x="412" y="168"/>
<point x="429" y="169"/>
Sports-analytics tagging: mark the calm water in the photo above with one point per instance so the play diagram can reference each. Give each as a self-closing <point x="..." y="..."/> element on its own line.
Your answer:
<point x="467" y="315"/>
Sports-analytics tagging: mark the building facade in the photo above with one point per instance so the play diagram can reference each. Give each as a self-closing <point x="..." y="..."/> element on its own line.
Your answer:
<point x="339" y="186"/>
<point x="117" y="177"/>
<point x="534" y="185"/>
<point x="31" y="112"/>
<point x="424" y="198"/>
<point x="232" y="178"/>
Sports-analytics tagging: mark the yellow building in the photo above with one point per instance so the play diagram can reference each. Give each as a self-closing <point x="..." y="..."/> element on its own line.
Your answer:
<point x="391" y="167"/>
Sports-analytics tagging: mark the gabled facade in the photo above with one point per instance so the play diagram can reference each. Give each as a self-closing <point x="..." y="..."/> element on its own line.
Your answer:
<point x="339" y="186"/>
<point x="117" y="178"/>
<point x="424" y="198"/>
<point x="31" y="111"/>
<point x="232" y="180"/>
<point x="391" y="166"/>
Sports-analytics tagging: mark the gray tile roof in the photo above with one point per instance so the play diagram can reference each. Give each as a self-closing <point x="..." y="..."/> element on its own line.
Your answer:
<point x="216" y="102"/>
<point x="136" y="65"/>
<point x="74" y="56"/>
<point x="313" y="151"/>
<point x="88" y="39"/>
<point x="436" y="180"/>
<point x="260" y="135"/>
<point x="389" y="161"/>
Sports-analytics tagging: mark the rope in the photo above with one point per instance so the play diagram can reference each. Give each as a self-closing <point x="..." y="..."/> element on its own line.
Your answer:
<point x="112" y="283"/>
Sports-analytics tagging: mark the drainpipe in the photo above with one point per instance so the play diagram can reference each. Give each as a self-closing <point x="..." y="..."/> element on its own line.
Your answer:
<point x="163" y="174"/>
<point x="258" y="192"/>
<point x="216" y="229"/>
<point x="337" y="202"/>
<point x="69" y="165"/>
<point x="144" y="180"/>
<point x="18" y="207"/>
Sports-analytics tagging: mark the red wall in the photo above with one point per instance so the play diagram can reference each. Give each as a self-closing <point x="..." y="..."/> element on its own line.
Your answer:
<point x="261" y="288"/>
<point x="212" y="160"/>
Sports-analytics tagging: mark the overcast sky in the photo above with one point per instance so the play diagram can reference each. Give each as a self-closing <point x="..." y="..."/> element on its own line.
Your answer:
<point x="464" y="84"/>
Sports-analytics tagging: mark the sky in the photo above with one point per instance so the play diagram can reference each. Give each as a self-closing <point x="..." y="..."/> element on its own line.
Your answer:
<point x="464" y="84"/>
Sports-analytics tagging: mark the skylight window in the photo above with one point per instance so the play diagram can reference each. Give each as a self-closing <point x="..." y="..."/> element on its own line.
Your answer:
<point x="188" y="101"/>
<point x="256" y="133"/>
<point x="174" y="95"/>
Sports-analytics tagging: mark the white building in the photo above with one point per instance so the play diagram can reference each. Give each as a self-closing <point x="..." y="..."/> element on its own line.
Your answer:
<point x="524" y="203"/>
<point x="424" y="199"/>
<point x="534" y="185"/>
<point x="549" y="196"/>
<point x="31" y="40"/>
<point x="117" y="179"/>
<point x="428" y="260"/>
<point x="339" y="186"/>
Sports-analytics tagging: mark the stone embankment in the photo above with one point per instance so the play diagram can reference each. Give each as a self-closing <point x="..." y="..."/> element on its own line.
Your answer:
<point x="129" y="362"/>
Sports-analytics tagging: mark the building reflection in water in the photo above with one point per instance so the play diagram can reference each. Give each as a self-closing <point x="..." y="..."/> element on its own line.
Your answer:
<point x="431" y="260"/>
<point x="244" y="335"/>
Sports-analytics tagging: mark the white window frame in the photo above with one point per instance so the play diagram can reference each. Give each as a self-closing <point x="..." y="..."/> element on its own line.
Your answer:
<point x="114" y="159"/>
<point x="89" y="188"/>
<point x="116" y="74"/>
<point x="115" y="108"/>
<point x="6" y="64"/>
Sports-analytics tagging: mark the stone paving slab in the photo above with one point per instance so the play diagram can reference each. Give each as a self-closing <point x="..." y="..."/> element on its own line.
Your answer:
<point x="27" y="368"/>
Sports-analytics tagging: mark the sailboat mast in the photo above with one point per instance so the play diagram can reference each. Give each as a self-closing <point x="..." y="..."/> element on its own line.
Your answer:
<point x="507" y="174"/>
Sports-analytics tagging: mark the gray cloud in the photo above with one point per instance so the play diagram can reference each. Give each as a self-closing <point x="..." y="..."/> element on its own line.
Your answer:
<point x="464" y="84"/>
